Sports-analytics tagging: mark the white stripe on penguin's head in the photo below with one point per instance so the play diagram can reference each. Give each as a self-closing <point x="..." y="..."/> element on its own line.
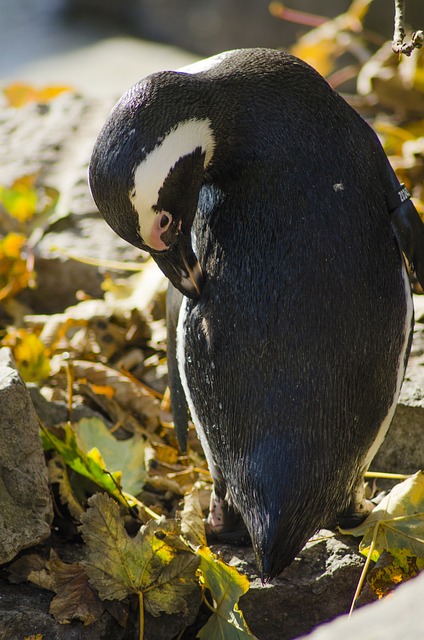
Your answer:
<point x="151" y="173"/>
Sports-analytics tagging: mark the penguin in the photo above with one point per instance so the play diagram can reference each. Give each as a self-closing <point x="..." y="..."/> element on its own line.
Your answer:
<point x="271" y="207"/>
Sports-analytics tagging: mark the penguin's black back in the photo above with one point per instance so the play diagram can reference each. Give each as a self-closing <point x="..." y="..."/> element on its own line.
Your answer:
<point x="292" y="353"/>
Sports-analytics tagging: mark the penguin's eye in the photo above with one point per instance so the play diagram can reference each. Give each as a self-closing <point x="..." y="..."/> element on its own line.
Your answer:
<point x="165" y="221"/>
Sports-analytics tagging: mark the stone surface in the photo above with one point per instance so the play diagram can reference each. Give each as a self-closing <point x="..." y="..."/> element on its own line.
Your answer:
<point x="55" y="142"/>
<point x="26" y="509"/>
<point x="317" y="587"/>
<point x="399" y="616"/>
<point x="24" y="612"/>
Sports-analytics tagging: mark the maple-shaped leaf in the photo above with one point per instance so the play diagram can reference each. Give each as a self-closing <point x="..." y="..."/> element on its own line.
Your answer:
<point x="75" y="599"/>
<point x="397" y="522"/>
<point x="118" y="565"/>
<point x="123" y="456"/>
<point x="226" y="586"/>
<point x="192" y="524"/>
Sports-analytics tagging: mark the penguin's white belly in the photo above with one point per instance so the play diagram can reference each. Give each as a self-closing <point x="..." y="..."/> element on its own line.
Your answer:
<point x="409" y="324"/>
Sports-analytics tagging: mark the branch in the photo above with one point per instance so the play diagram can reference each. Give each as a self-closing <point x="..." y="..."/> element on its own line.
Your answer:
<point x="398" y="44"/>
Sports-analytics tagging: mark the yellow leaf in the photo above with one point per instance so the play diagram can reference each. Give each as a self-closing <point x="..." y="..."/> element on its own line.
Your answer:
<point x="391" y="569"/>
<point x="19" y="93"/>
<point x="397" y="522"/>
<point x="14" y="272"/>
<point x="155" y="564"/>
<point x="226" y="586"/>
<point x="21" y="199"/>
<point x="30" y="354"/>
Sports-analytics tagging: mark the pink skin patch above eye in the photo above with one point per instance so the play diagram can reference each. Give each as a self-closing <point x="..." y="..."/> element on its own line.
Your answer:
<point x="161" y="223"/>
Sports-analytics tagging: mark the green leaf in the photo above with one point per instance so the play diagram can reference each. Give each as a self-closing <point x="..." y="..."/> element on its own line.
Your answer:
<point x="397" y="522"/>
<point x="226" y="585"/>
<point x="118" y="565"/>
<point x="80" y="462"/>
<point x="123" y="456"/>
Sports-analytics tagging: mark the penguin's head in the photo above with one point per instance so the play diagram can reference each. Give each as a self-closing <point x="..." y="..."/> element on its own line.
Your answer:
<point x="147" y="168"/>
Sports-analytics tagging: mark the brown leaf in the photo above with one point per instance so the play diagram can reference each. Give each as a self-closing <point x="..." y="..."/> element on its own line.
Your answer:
<point x="192" y="524"/>
<point x="129" y="395"/>
<point x="75" y="599"/>
<point x="21" y="568"/>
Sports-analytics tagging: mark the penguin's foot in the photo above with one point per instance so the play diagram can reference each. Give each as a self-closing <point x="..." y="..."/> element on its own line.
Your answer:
<point x="225" y="524"/>
<point x="355" y="514"/>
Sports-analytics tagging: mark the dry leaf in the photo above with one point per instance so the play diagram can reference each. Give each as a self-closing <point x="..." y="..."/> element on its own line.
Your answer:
<point x="119" y="565"/>
<point x="58" y="474"/>
<point x="128" y="394"/>
<point x="192" y="523"/>
<point x="75" y="599"/>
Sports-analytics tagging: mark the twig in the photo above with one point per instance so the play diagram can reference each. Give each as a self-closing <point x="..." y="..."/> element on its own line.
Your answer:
<point x="398" y="44"/>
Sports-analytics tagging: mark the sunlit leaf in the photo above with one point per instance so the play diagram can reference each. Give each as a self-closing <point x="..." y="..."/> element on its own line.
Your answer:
<point x="30" y="354"/>
<point x="19" y="94"/>
<point x="322" y="46"/>
<point x="80" y="462"/>
<point x="15" y="273"/>
<point x="226" y="586"/>
<point x="392" y="569"/>
<point x="397" y="522"/>
<point x="124" y="456"/>
<point x="21" y="199"/>
<point x="119" y="565"/>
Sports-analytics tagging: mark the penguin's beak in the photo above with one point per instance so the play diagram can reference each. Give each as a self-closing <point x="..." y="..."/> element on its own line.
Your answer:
<point x="180" y="264"/>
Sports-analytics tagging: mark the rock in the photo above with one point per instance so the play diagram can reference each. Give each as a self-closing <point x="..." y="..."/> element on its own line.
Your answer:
<point x="55" y="141"/>
<point x="24" y="612"/>
<point x="36" y="140"/>
<point x="26" y="509"/>
<point x="317" y="587"/>
<point x="399" y="616"/>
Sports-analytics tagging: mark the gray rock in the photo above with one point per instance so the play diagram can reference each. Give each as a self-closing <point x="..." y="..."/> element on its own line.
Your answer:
<point x="24" y="612"/>
<point x="317" y="587"/>
<point x="399" y="616"/>
<point x="25" y="503"/>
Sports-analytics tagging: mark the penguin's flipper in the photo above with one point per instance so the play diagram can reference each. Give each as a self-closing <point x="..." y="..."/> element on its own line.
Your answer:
<point x="409" y="232"/>
<point x="178" y="400"/>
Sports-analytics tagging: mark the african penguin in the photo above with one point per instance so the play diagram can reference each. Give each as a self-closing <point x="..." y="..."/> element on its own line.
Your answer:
<point x="272" y="209"/>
